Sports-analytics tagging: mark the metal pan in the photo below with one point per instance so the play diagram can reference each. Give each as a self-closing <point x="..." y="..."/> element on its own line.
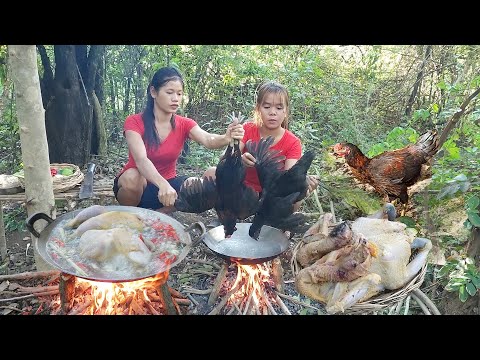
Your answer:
<point x="243" y="249"/>
<point x="67" y="261"/>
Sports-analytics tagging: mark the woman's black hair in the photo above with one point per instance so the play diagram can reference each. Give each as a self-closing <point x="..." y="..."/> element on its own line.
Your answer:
<point x="160" y="78"/>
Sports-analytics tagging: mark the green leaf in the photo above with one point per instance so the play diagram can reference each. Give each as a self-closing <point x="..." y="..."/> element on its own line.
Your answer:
<point x="473" y="202"/>
<point x="303" y="312"/>
<point x="476" y="282"/>
<point x="471" y="289"/>
<point x="407" y="221"/>
<point x="441" y="85"/>
<point x="474" y="218"/>
<point x="462" y="294"/>
<point x="445" y="270"/>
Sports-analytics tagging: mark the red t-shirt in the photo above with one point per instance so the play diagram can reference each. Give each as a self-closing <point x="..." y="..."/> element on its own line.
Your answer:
<point x="166" y="155"/>
<point x="289" y="145"/>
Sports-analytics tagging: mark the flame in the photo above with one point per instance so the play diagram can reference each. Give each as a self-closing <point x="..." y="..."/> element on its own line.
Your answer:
<point x="115" y="298"/>
<point x="252" y="280"/>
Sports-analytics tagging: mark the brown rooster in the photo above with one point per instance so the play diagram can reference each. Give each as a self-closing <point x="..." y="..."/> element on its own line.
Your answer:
<point x="391" y="172"/>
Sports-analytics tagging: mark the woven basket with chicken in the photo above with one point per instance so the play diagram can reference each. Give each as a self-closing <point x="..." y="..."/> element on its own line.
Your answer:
<point x="362" y="266"/>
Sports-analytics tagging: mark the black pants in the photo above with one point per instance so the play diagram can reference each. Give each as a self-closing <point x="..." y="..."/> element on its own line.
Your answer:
<point x="149" y="198"/>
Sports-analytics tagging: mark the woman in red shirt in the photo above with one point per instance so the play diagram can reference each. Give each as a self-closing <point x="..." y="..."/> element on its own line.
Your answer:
<point x="270" y="118"/>
<point x="155" y="140"/>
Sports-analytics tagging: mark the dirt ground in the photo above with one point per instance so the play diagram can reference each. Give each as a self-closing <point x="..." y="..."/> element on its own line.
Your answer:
<point x="191" y="273"/>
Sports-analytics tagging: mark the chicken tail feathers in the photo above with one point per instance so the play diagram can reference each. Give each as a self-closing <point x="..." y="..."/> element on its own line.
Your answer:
<point x="428" y="143"/>
<point x="197" y="196"/>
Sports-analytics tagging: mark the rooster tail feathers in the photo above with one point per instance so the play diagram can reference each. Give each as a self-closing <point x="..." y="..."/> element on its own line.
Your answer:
<point x="428" y="143"/>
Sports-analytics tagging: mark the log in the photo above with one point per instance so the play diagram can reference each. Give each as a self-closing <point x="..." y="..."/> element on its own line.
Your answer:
<point x="277" y="275"/>
<point x="217" y="285"/>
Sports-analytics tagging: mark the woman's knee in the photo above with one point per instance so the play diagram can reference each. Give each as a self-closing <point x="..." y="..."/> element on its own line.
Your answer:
<point x="210" y="172"/>
<point x="132" y="181"/>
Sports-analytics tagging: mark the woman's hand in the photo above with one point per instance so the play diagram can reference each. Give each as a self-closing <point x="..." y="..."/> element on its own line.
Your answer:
<point x="234" y="131"/>
<point x="248" y="160"/>
<point x="167" y="194"/>
<point x="312" y="181"/>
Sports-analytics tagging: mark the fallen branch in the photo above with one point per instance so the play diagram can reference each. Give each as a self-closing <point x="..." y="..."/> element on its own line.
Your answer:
<point x="10" y="308"/>
<point x="282" y="305"/>
<point x="217" y="284"/>
<point x="47" y="293"/>
<point x="296" y="301"/>
<point x="222" y="303"/>
<point x="29" y="275"/>
<point x="36" y="289"/>
<point x="192" y="299"/>
<point x="191" y="290"/>
<point x="185" y="302"/>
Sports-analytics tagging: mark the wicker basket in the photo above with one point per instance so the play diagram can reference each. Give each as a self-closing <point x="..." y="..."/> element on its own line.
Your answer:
<point x="379" y="302"/>
<point x="60" y="182"/>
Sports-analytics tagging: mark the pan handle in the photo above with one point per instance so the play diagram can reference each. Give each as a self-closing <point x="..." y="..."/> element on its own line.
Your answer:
<point x="199" y="225"/>
<point x="33" y="218"/>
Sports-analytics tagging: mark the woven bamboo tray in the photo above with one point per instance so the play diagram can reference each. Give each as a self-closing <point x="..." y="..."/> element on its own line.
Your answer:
<point x="60" y="182"/>
<point x="379" y="302"/>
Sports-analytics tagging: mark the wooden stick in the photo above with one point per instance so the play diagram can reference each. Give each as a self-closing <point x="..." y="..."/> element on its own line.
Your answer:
<point x="235" y="304"/>
<point x="247" y="306"/>
<point x="176" y="293"/>
<point x="282" y="305"/>
<point x="277" y="275"/>
<point x="48" y="293"/>
<point x="292" y="299"/>
<point x="151" y="308"/>
<point x="185" y="302"/>
<point x="217" y="284"/>
<point x="36" y="289"/>
<point x="269" y="304"/>
<point x="11" y="308"/>
<point x="192" y="299"/>
<point x="191" y="290"/>
<point x="29" y="275"/>
<point x="224" y="300"/>
<point x="80" y="309"/>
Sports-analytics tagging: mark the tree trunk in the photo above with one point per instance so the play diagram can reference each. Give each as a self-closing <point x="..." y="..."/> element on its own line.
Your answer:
<point x="69" y="111"/>
<point x="418" y="81"/>
<point x="99" y="135"/>
<point x="31" y="119"/>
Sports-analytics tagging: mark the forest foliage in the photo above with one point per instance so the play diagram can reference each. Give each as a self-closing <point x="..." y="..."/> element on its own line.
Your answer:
<point x="378" y="97"/>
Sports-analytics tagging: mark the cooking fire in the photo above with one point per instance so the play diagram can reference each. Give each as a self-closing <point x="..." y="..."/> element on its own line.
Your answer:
<point x="252" y="291"/>
<point x="141" y="297"/>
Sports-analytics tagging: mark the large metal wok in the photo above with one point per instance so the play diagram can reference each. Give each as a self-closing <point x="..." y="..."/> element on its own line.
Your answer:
<point x="68" y="263"/>
<point x="243" y="249"/>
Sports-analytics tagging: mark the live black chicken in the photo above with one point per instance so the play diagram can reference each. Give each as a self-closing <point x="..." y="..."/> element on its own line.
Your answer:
<point x="228" y="194"/>
<point x="281" y="189"/>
